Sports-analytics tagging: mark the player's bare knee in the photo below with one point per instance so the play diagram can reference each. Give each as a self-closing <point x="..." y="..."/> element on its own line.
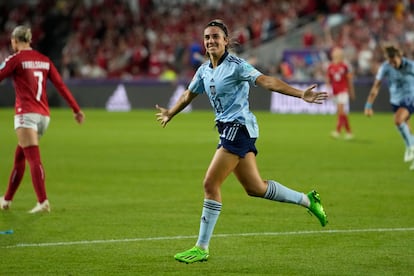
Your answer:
<point x="398" y="122"/>
<point x="210" y="187"/>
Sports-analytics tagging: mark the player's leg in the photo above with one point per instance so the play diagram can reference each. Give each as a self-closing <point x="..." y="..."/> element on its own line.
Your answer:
<point x="29" y="127"/>
<point x="337" y="132"/>
<point x="401" y="115"/>
<point x="220" y="167"/>
<point x="15" y="177"/>
<point x="248" y="175"/>
<point x="222" y="164"/>
<point x="343" y="102"/>
<point x="344" y="120"/>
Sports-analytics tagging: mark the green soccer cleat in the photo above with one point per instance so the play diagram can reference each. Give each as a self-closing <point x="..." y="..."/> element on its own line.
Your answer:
<point x="195" y="254"/>
<point x="316" y="207"/>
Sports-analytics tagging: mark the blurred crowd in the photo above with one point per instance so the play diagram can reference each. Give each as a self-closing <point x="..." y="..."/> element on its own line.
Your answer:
<point x="369" y="26"/>
<point x="133" y="39"/>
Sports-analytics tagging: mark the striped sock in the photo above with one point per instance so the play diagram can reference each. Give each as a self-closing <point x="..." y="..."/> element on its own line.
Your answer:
<point x="406" y="135"/>
<point x="209" y="216"/>
<point x="277" y="192"/>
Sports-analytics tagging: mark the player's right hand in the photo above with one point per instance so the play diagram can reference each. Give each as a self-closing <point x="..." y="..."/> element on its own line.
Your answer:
<point x="79" y="117"/>
<point x="163" y="116"/>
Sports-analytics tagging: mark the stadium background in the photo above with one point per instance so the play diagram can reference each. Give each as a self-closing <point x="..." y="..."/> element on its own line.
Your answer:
<point x="146" y="48"/>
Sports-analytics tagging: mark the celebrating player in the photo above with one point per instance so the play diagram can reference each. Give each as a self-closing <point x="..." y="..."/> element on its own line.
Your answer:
<point x="225" y="79"/>
<point x="30" y="71"/>
<point x="339" y="77"/>
<point x="400" y="74"/>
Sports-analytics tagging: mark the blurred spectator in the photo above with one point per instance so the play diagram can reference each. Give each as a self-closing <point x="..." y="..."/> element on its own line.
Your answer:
<point x="168" y="73"/>
<point x="196" y="50"/>
<point x="308" y="38"/>
<point x="365" y="58"/>
<point x="91" y="70"/>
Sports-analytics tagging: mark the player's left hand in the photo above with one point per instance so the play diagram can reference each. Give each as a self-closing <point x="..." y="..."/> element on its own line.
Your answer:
<point x="314" y="97"/>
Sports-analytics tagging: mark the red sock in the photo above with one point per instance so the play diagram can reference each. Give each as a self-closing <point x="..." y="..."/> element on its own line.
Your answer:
<point x="346" y="123"/>
<point x="339" y="124"/>
<point x="17" y="173"/>
<point x="32" y="154"/>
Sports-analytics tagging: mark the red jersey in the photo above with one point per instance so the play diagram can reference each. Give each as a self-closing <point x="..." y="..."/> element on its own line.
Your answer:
<point x="30" y="71"/>
<point x="338" y="77"/>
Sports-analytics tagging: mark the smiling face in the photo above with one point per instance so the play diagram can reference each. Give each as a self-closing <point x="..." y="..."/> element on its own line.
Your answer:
<point x="215" y="41"/>
<point x="394" y="56"/>
<point x="395" y="61"/>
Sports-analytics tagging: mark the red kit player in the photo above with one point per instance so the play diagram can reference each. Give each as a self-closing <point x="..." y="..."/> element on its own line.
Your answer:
<point x="30" y="71"/>
<point x="339" y="77"/>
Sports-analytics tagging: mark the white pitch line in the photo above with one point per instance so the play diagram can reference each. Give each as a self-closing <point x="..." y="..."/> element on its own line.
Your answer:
<point x="338" y="231"/>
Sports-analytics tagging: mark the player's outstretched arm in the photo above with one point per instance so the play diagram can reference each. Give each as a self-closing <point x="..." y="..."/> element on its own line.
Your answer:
<point x="277" y="85"/>
<point x="165" y="115"/>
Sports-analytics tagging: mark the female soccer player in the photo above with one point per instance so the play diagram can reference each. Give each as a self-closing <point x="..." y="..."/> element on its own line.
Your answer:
<point x="339" y="77"/>
<point x="225" y="79"/>
<point x="30" y="71"/>
<point x="400" y="74"/>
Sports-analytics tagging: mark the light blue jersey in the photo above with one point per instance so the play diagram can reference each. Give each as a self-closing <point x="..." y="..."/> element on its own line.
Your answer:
<point x="400" y="81"/>
<point x="227" y="86"/>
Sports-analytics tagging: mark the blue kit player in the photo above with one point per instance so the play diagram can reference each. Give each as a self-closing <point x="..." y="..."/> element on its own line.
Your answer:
<point x="399" y="71"/>
<point x="226" y="80"/>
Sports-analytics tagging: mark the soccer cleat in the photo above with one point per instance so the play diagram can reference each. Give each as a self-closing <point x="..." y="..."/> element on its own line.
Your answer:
<point x="409" y="154"/>
<point x="41" y="207"/>
<point x="4" y="204"/>
<point x="349" y="136"/>
<point x="335" y="134"/>
<point x="195" y="254"/>
<point x="316" y="207"/>
<point x="412" y="167"/>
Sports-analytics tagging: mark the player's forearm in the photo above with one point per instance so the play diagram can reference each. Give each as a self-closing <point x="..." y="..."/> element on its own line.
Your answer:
<point x="184" y="100"/>
<point x="275" y="84"/>
<point x="372" y="95"/>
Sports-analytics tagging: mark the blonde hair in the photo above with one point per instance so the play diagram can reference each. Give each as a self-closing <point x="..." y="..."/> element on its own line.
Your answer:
<point x="22" y="34"/>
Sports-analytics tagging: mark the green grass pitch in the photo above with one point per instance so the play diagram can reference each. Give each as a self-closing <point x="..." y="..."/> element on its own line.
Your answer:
<point x="127" y="194"/>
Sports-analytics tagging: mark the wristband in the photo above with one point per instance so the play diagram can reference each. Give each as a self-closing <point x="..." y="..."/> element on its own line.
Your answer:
<point x="368" y="105"/>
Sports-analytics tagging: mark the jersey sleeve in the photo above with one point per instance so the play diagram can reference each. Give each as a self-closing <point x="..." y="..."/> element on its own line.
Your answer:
<point x="7" y="67"/>
<point x="410" y="67"/>
<point x="196" y="85"/>
<point x="381" y="72"/>
<point x="248" y="73"/>
<point x="63" y="90"/>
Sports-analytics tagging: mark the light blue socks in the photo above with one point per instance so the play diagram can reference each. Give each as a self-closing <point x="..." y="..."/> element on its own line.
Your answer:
<point x="406" y="134"/>
<point x="209" y="216"/>
<point x="277" y="192"/>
